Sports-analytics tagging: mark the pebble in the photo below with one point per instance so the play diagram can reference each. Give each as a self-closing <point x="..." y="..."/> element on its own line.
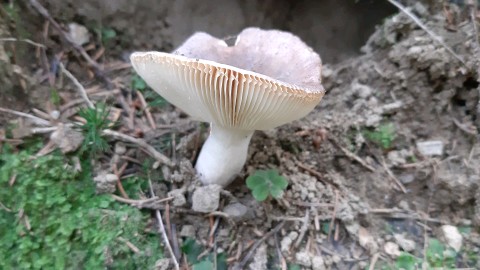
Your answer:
<point x="206" y="199"/>
<point x="430" y="148"/>
<point x="303" y="258"/>
<point x="392" y="249"/>
<point x="187" y="231"/>
<point x="287" y="241"/>
<point x="406" y="244"/>
<point x="105" y="182"/>
<point x="260" y="258"/>
<point x="78" y="33"/>
<point x="318" y="263"/>
<point x="452" y="237"/>
<point x="236" y="211"/>
<point x="178" y="197"/>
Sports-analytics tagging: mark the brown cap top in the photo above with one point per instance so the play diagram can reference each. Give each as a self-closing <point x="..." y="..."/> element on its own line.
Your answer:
<point x="268" y="78"/>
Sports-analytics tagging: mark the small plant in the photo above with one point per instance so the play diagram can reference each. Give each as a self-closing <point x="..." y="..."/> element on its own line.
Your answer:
<point x="96" y="121"/>
<point x="383" y="135"/>
<point x="192" y="250"/>
<point x="265" y="183"/>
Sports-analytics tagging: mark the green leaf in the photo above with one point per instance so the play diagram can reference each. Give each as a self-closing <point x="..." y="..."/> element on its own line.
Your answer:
<point x="406" y="261"/>
<point x="203" y="265"/>
<point x="279" y="181"/>
<point x="191" y="249"/>
<point x="255" y="181"/>
<point x="260" y="193"/>
<point x="276" y="192"/>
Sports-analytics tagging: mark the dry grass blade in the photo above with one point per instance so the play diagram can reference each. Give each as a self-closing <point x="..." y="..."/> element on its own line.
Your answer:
<point x="79" y="86"/>
<point x="123" y="137"/>
<point x="425" y="28"/>
<point x="162" y="230"/>
<point x="23" y="40"/>
<point x="36" y="120"/>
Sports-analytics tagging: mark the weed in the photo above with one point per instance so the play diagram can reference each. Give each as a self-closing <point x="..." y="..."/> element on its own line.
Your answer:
<point x="265" y="183"/>
<point x="192" y="250"/>
<point x="96" y="121"/>
<point x="51" y="218"/>
<point x="383" y="135"/>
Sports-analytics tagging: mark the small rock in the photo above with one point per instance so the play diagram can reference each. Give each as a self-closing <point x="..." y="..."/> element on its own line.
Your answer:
<point x="406" y="244"/>
<point x="403" y="205"/>
<point x="187" y="231"/>
<point x="303" y="258"/>
<point x="260" y="258"/>
<point x="120" y="148"/>
<point x="206" y="199"/>
<point x="395" y="158"/>
<point x="236" y="211"/>
<point x="392" y="249"/>
<point x="66" y="138"/>
<point x="317" y="263"/>
<point x="287" y="241"/>
<point x="406" y="178"/>
<point x="162" y="264"/>
<point x="452" y="237"/>
<point x="105" y="182"/>
<point x="178" y="197"/>
<point x="430" y="148"/>
<point x="78" y="33"/>
<point x="366" y="240"/>
<point x="336" y="259"/>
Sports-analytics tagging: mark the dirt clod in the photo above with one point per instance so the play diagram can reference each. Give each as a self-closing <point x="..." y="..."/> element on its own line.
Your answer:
<point x="206" y="199"/>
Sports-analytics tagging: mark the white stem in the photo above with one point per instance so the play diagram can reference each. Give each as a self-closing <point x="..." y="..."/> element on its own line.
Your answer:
<point x="223" y="155"/>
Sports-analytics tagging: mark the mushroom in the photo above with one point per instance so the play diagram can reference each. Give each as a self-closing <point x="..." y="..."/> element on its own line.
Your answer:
<point x="266" y="79"/>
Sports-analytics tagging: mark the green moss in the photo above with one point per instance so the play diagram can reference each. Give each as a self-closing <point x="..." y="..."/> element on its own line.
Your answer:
<point x="51" y="218"/>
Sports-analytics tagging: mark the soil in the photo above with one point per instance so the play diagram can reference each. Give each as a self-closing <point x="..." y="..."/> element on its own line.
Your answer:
<point x="344" y="189"/>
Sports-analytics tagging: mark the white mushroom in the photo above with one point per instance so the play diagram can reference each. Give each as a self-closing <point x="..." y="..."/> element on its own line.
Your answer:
<point x="268" y="78"/>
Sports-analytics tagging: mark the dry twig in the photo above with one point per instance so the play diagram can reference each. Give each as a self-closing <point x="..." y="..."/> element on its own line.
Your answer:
<point x="249" y="255"/>
<point x="79" y="86"/>
<point x="35" y="119"/>
<point x="162" y="229"/>
<point x="157" y="155"/>
<point x="351" y="155"/>
<point x="98" y="70"/>
<point x="23" y="40"/>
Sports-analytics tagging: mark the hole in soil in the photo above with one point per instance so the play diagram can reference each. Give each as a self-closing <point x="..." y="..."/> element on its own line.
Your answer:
<point x="470" y="83"/>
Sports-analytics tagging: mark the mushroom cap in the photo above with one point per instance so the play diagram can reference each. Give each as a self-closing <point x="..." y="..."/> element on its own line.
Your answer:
<point x="268" y="78"/>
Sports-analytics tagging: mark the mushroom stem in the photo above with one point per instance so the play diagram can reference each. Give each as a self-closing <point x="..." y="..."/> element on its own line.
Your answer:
<point x="223" y="155"/>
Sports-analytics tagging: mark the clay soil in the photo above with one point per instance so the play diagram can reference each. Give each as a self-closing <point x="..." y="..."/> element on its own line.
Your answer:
<point x="356" y="168"/>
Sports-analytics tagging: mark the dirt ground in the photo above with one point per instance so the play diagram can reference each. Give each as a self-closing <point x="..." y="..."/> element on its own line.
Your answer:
<point x="349" y="192"/>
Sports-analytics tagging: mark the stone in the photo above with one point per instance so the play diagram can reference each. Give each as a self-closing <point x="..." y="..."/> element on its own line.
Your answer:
<point x="78" y="33"/>
<point x="260" y="258"/>
<point x="187" y="231"/>
<point x="236" y="211"/>
<point x="66" y="138"/>
<point x="287" y="241"/>
<point x="178" y="197"/>
<point x="105" y="182"/>
<point x="120" y="148"/>
<point x="318" y="263"/>
<point x="303" y="258"/>
<point x="366" y="240"/>
<point x="451" y="237"/>
<point x="206" y="199"/>
<point x="392" y="249"/>
<point x="162" y="264"/>
<point x="430" y="148"/>
<point x="406" y="244"/>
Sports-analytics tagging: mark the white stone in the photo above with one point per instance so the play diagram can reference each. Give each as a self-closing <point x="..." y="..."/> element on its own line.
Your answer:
<point x="318" y="263"/>
<point x="303" y="258"/>
<point x="452" y="237"/>
<point x="78" y="33"/>
<point x="406" y="244"/>
<point x="430" y="148"/>
<point x="392" y="249"/>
